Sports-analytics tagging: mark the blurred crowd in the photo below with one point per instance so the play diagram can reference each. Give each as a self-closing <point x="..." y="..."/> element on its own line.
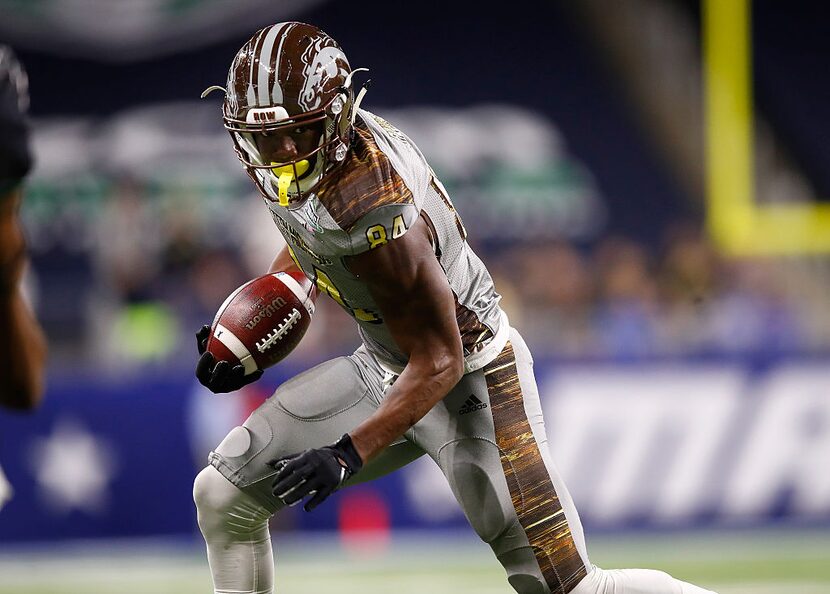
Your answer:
<point x="141" y="224"/>
<point x="149" y="277"/>
<point x="620" y="300"/>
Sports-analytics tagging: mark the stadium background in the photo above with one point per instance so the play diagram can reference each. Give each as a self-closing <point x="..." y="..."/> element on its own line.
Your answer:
<point x="683" y="371"/>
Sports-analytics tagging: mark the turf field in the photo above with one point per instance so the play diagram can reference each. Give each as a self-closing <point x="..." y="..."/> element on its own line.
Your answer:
<point x="750" y="562"/>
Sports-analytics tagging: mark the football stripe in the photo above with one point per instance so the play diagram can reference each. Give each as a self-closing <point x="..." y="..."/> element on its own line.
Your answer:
<point x="290" y="282"/>
<point x="235" y="346"/>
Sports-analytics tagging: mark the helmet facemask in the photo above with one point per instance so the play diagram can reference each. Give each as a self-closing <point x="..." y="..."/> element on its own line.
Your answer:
<point x="291" y="180"/>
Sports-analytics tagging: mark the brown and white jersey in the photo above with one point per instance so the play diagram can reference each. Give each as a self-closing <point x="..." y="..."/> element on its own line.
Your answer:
<point x="373" y="198"/>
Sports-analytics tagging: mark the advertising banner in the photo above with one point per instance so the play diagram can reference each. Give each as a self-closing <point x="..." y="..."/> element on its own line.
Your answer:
<point x="656" y="446"/>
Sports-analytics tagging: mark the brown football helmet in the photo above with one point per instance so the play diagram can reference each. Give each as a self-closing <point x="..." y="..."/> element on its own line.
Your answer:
<point x="289" y="77"/>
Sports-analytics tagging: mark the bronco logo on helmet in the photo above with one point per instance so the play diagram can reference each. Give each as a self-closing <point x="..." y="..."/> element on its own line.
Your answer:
<point x="322" y="65"/>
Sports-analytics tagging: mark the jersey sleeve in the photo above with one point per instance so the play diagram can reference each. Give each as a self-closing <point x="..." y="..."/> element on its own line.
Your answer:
<point x="406" y="179"/>
<point x="381" y="225"/>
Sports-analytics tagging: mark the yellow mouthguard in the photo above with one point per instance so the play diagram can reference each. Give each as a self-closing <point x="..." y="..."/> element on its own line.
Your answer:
<point x="286" y="176"/>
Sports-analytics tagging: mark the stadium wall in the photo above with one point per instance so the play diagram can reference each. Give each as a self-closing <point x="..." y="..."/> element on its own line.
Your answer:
<point x="646" y="446"/>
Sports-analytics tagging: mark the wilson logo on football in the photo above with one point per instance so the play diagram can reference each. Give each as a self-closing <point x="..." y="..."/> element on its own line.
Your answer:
<point x="266" y="312"/>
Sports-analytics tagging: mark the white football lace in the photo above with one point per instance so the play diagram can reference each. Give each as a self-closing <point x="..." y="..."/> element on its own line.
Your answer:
<point x="277" y="333"/>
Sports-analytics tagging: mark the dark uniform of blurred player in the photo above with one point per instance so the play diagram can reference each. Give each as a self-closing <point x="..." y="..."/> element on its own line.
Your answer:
<point x="22" y="346"/>
<point x="440" y="371"/>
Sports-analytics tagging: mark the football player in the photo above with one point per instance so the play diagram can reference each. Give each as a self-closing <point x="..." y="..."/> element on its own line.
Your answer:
<point x="22" y="345"/>
<point x="440" y="371"/>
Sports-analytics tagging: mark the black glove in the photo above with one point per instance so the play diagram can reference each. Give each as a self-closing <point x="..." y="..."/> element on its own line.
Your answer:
<point x="219" y="377"/>
<point x="317" y="472"/>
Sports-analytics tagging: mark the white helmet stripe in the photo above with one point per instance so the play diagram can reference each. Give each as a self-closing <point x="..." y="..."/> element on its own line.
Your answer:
<point x="252" y="63"/>
<point x="251" y="98"/>
<point x="265" y="62"/>
<point x="276" y="92"/>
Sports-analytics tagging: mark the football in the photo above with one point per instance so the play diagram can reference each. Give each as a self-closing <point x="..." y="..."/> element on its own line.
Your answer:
<point x="262" y="321"/>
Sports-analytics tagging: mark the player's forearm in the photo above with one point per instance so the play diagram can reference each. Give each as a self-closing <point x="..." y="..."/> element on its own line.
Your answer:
<point x="283" y="262"/>
<point x="23" y="349"/>
<point x="419" y="388"/>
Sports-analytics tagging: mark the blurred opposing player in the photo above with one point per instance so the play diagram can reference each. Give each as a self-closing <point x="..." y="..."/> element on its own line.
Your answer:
<point x="22" y="345"/>
<point x="440" y="371"/>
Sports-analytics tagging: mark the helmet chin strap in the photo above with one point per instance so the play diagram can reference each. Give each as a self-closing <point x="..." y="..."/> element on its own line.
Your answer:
<point x="359" y="99"/>
<point x="356" y="103"/>
<point x="348" y="82"/>
<point x="212" y="88"/>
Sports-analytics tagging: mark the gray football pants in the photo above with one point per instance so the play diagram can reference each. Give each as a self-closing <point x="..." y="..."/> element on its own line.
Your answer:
<point x="487" y="436"/>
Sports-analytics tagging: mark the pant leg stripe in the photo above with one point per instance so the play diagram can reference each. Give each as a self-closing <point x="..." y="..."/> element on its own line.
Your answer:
<point x="531" y="490"/>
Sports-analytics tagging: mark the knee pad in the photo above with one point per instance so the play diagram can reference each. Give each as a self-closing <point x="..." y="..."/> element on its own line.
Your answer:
<point x="523" y="573"/>
<point x="470" y="467"/>
<point x="223" y="507"/>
